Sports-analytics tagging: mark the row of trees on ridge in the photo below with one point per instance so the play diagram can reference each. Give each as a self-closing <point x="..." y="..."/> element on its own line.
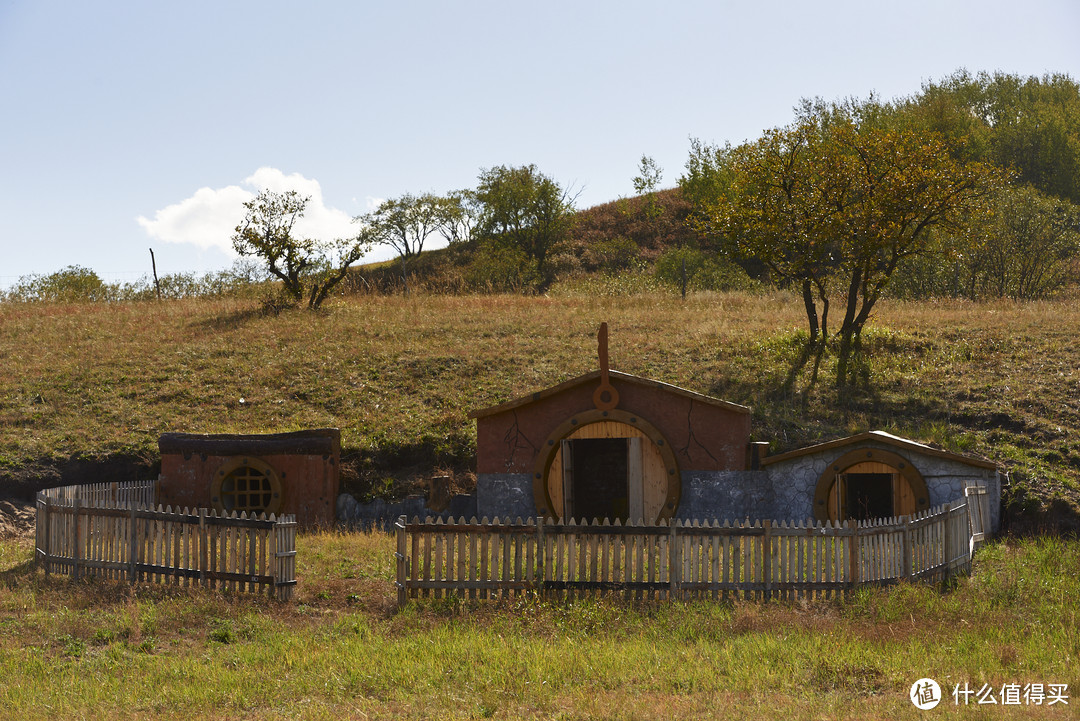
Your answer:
<point x="967" y="189"/>
<point x="513" y="218"/>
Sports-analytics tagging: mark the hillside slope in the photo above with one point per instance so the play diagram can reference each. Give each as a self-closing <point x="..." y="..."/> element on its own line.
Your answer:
<point x="654" y="223"/>
<point x="88" y="388"/>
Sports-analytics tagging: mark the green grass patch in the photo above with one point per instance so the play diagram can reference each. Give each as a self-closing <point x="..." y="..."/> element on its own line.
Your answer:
<point x="106" y="649"/>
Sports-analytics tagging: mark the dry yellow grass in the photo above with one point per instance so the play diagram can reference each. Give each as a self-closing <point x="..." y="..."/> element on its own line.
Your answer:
<point x="399" y="374"/>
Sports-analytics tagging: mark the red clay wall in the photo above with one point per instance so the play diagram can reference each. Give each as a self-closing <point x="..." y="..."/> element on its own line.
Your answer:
<point x="704" y="436"/>
<point x="307" y="462"/>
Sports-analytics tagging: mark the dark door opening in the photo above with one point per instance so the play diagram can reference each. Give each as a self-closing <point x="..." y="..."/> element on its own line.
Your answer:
<point x="600" y="473"/>
<point x="869" y="495"/>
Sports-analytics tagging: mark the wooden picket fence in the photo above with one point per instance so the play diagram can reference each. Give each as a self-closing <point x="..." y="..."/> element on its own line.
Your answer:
<point x="979" y="503"/>
<point x="115" y="531"/>
<point x="758" y="560"/>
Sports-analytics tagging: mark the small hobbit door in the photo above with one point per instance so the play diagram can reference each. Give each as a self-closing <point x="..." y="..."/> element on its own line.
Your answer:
<point x="870" y="490"/>
<point x="611" y="470"/>
<point x="602" y="478"/>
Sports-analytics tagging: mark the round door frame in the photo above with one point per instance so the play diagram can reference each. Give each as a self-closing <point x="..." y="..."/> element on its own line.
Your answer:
<point x="869" y="455"/>
<point x="237" y="462"/>
<point x="580" y="420"/>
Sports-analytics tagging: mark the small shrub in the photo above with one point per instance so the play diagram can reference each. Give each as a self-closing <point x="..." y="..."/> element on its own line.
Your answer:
<point x="704" y="271"/>
<point x="75" y="284"/>
<point x="103" y="637"/>
<point x="500" y="268"/>
<point x="70" y="285"/>
<point x="146" y="645"/>
<point x="73" y="646"/>
<point x="222" y="632"/>
<point x="613" y="254"/>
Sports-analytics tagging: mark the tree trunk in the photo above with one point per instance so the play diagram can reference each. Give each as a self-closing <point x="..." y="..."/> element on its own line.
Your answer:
<point x="848" y="328"/>
<point x="811" y="311"/>
<point x="824" y="318"/>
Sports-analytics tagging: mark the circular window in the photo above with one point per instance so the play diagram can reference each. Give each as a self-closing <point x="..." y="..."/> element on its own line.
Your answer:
<point x="246" y="484"/>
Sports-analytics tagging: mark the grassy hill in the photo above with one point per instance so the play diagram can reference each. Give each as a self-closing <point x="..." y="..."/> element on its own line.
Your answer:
<point x="654" y="232"/>
<point x="88" y="388"/>
<point x="618" y="237"/>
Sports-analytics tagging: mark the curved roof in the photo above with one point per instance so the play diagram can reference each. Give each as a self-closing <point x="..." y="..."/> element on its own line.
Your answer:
<point x="881" y="437"/>
<point x="614" y="375"/>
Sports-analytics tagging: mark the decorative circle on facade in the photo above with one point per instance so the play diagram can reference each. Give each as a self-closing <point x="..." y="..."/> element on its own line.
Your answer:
<point x="246" y="484"/>
<point x="605" y="397"/>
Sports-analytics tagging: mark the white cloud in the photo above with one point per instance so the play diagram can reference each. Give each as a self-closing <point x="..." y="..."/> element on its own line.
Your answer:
<point x="370" y="202"/>
<point x="208" y="218"/>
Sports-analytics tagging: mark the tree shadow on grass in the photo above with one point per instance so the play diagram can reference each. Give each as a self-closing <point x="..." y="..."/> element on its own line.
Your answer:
<point x="236" y="319"/>
<point x="18" y="575"/>
<point x="815" y="350"/>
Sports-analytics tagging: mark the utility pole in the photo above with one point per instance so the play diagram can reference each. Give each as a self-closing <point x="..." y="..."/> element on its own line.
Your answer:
<point x="153" y="264"/>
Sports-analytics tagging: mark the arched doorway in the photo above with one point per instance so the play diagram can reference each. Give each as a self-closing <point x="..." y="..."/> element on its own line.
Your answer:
<point x="607" y="464"/>
<point x="869" y="483"/>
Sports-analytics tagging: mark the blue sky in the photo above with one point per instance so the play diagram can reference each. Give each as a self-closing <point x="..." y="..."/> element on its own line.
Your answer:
<point x="130" y="125"/>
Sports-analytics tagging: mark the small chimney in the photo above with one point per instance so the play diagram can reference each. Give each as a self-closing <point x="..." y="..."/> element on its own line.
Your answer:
<point x="758" y="452"/>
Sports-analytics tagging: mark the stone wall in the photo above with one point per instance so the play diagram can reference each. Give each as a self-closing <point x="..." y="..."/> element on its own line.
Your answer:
<point x="382" y="515"/>
<point x="505" y="495"/>
<point x="783" y="491"/>
<point x="497" y="495"/>
<point x="796" y="480"/>
<point x="726" y="495"/>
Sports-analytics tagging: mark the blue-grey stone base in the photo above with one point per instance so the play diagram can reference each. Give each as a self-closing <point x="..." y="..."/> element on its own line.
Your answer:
<point x="505" y="496"/>
<point x="741" y="495"/>
<point x="380" y="514"/>
<point x="783" y="492"/>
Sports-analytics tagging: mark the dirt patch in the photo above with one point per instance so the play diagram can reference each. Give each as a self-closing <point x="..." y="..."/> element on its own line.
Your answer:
<point x="1025" y="514"/>
<point x="25" y="481"/>
<point x="16" y="518"/>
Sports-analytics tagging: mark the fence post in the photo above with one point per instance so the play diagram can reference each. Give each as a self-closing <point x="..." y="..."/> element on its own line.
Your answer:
<point x="766" y="559"/>
<point x="132" y="543"/>
<point x="541" y="572"/>
<point x="853" y="552"/>
<point x="674" y="562"/>
<point x="978" y="521"/>
<point x="204" y="542"/>
<point x="401" y="570"/>
<point x="43" y="531"/>
<point x="76" y="554"/>
<point x="947" y="540"/>
<point x="285" y="568"/>
<point x="907" y="546"/>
